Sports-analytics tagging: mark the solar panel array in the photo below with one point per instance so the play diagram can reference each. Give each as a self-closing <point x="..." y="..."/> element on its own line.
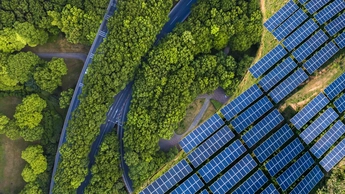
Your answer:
<point x="331" y="159"/>
<point x="191" y="185"/>
<point x="318" y="126"/>
<point x="328" y="12"/>
<point x="335" y="87"/>
<point x="204" y="191"/>
<point x="262" y="128"/>
<point x="252" y="184"/>
<point x="270" y="190"/>
<point x="222" y="160"/>
<point x="234" y="175"/>
<point x="309" y="111"/>
<point x="340" y="40"/>
<point x="315" y="5"/>
<point x="210" y="146"/>
<point x="336" y="25"/>
<point x="310" y="46"/>
<point x="321" y="57"/>
<point x="241" y="102"/>
<point x="303" y="1"/>
<point x="288" y="85"/>
<point x="201" y="133"/>
<point x="309" y="182"/>
<point x="267" y="61"/>
<point x="326" y="141"/>
<point x="340" y="104"/>
<point x="169" y="179"/>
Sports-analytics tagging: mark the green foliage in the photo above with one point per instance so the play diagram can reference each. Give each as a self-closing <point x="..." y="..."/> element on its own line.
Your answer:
<point x="31" y="188"/>
<point x="37" y="163"/>
<point x="65" y="98"/>
<point x="3" y="123"/>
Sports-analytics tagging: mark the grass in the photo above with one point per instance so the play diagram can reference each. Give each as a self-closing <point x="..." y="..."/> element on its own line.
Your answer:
<point x="192" y="110"/>
<point x="217" y="105"/>
<point x="8" y="105"/>
<point x="208" y="113"/>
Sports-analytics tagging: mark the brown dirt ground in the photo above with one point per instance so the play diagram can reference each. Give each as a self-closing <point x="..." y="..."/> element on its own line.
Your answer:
<point x="74" y="67"/>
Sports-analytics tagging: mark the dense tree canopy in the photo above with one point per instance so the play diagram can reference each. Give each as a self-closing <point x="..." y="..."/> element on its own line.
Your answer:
<point x="37" y="163"/>
<point x="3" y="123"/>
<point x="31" y="188"/>
<point x="65" y="98"/>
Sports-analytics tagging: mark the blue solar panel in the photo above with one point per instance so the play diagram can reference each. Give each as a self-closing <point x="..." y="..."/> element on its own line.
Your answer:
<point x="300" y="34"/>
<point x="326" y="141"/>
<point x="241" y="102"/>
<point x="270" y="190"/>
<point x="340" y="40"/>
<point x="267" y="61"/>
<point x="277" y="74"/>
<point x="321" y="57"/>
<point x="201" y="133"/>
<point x="284" y="157"/>
<point x="191" y="185"/>
<point x="204" y="192"/>
<point x="252" y="184"/>
<point x="279" y="17"/>
<point x="331" y="159"/>
<point x="315" y="5"/>
<point x="262" y="128"/>
<point x="251" y="114"/>
<point x="340" y="104"/>
<point x="336" y="25"/>
<point x="290" y="25"/>
<point x="317" y="127"/>
<point x="169" y="179"/>
<point x="310" y="46"/>
<point x="303" y="1"/>
<point x="328" y="12"/>
<point x="335" y="87"/>
<point x="273" y="143"/>
<point x="309" y="182"/>
<point x="288" y="85"/>
<point x="210" y="146"/>
<point x="222" y="160"/>
<point x="234" y="175"/>
<point x="309" y="111"/>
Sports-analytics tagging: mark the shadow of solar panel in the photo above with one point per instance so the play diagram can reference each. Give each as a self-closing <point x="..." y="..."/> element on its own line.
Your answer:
<point x="340" y="104"/>
<point x="309" y="182"/>
<point x="336" y="25"/>
<point x="326" y="141"/>
<point x="303" y="1"/>
<point x="309" y="111"/>
<point x="340" y="40"/>
<point x="201" y="133"/>
<point x="191" y="185"/>
<point x="241" y="102"/>
<point x="279" y="17"/>
<point x="314" y="5"/>
<point x="328" y="12"/>
<point x="335" y="87"/>
<point x="234" y="175"/>
<point x="252" y="184"/>
<point x="288" y="85"/>
<point x="331" y="159"/>
<point x="310" y="46"/>
<point x="321" y="57"/>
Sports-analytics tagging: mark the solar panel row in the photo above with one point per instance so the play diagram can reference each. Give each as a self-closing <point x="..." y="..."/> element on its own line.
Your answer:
<point x="204" y="192"/>
<point x="335" y="87"/>
<point x="336" y="25"/>
<point x="268" y="61"/>
<point x="310" y="46"/>
<point x="309" y="182"/>
<point x="262" y="128"/>
<point x="284" y="157"/>
<point x="210" y="146"/>
<point x="309" y="111"/>
<point x="340" y="104"/>
<point x="252" y="184"/>
<point x="273" y="143"/>
<point x="331" y="159"/>
<point x="321" y="57"/>
<point x="328" y="12"/>
<point x="222" y="160"/>
<point x="191" y="185"/>
<point x="340" y="40"/>
<point x="288" y="85"/>
<point x="241" y="102"/>
<point x="234" y="175"/>
<point x="201" y="133"/>
<point x="277" y="74"/>
<point x="326" y="141"/>
<point x="303" y="1"/>
<point x="315" y="5"/>
<point x="270" y="190"/>
<point x="318" y="126"/>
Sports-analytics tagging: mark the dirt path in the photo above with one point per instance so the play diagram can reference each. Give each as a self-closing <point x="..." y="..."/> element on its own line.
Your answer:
<point x="80" y="56"/>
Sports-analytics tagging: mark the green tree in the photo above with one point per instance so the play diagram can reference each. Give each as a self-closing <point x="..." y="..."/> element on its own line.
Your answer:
<point x="37" y="163"/>
<point x="65" y="98"/>
<point x="3" y="123"/>
<point x="31" y="188"/>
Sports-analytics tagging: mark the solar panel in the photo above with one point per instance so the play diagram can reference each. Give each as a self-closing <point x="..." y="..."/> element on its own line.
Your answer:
<point x="309" y="111"/>
<point x="303" y="1"/>
<point x="201" y="133"/>
<point x="277" y="74"/>
<point x="300" y="34"/>
<point x="340" y="104"/>
<point x="267" y="61"/>
<point x="315" y="5"/>
<point x="326" y="141"/>
<point x="288" y="85"/>
<point x="222" y="160"/>
<point x="262" y="128"/>
<point x="204" y="192"/>
<point x="210" y="146"/>
<point x="290" y="24"/>
<point x="252" y="184"/>
<point x="295" y="171"/>
<point x="241" y="102"/>
<point x="191" y="185"/>
<point x="234" y="175"/>
<point x="340" y="40"/>
<point x="309" y="182"/>
<point x="284" y="157"/>
<point x="169" y="179"/>
<point x="317" y="127"/>
<point x="335" y="87"/>
<point x="270" y="190"/>
<point x="251" y="114"/>
<point x="281" y="15"/>
<point x="310" y="46"/>
<point x="336" y="25"/>
<point x="321" y="57"/>
<point x="328" y="12"/>
<point x="273" y="143"/>
<point x="331" y="159"/>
